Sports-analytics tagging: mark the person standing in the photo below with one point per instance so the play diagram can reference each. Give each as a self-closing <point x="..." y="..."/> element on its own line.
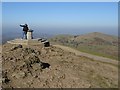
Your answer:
<point x="25" y="29"/>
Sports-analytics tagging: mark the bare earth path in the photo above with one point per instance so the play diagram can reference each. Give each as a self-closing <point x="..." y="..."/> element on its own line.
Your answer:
<point x="94" y="57"/>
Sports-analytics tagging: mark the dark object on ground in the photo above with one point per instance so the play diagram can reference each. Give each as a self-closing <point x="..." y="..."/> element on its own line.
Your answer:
<point x="4" y="77"/>
<point x="46" y="43"/>
<point x="5" y="80"/>
<point x="45" y="65"/>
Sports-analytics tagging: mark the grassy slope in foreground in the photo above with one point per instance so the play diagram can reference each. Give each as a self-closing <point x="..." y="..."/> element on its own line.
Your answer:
<point x="94" y="43"/>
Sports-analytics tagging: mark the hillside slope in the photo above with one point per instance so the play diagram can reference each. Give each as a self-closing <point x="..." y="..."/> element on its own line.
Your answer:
<point x="94" y="43"/>
<point x="94" y="57"/>
<point x="53" y="67"/>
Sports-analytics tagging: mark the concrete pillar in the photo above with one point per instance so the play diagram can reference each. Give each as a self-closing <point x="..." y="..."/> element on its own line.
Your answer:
<point x="30" y="34"/>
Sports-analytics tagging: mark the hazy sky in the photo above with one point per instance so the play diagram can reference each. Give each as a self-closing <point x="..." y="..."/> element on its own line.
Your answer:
<point x="62" y="17"/>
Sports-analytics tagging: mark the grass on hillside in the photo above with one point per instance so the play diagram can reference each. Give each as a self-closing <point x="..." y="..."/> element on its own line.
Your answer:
<point x="87" y="49"/>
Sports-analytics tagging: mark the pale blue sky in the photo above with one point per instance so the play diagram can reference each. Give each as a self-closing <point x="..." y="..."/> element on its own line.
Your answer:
<point x="62" y="17"/>
<point x="0" y="19"/>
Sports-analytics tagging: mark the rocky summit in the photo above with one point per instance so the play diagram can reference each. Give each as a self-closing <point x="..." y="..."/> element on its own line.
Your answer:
<point x="27" y="66"/>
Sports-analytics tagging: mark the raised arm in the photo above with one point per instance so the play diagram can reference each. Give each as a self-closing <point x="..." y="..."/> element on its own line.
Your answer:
<point x="22" y="25"/>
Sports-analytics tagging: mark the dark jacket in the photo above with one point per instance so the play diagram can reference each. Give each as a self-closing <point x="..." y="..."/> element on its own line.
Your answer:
<point x="25" y="27"/>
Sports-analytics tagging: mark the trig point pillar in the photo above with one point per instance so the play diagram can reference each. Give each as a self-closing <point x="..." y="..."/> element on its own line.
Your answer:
<point x="30" y="34"/>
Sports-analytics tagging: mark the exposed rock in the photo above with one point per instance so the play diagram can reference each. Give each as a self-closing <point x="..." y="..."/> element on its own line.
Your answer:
<point x="16" y="47"/>
<point x="31" y="59"/>
<point x="28" y="50"/>
<point x="4" y="74"/>
<point x="5" y="80"/>
<point x="46" y="43"/>
<point x="19" y="74"/>
<point x="5" y="77"/>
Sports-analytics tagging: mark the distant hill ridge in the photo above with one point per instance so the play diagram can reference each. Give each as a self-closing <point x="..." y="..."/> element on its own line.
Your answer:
<point x="98" y="34"/>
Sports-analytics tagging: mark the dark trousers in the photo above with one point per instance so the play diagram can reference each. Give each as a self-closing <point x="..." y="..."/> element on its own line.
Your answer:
<point x="24" y="35"/>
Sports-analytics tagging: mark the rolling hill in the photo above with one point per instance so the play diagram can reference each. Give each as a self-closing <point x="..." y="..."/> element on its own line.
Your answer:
<point x="94" y="43"/>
